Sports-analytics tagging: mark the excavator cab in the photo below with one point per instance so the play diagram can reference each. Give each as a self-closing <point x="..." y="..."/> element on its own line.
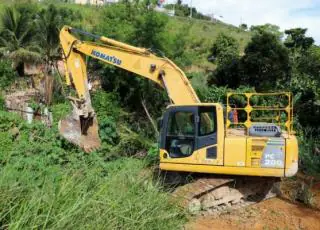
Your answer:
<point x="189" y="130"/>
<point x="209" y="138"/>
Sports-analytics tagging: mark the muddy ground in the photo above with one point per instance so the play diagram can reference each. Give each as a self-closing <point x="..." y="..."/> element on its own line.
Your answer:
<point x="282" y="212"/>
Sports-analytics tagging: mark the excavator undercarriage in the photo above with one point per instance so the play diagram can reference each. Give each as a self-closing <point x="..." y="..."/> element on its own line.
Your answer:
<point x="215" y="194"/>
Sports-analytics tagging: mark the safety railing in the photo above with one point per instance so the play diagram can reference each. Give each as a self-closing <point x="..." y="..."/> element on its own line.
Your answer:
<point x="273" y="108"/>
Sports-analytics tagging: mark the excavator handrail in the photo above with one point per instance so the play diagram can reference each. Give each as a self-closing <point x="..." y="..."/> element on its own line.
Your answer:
<point x="249" y="108"/>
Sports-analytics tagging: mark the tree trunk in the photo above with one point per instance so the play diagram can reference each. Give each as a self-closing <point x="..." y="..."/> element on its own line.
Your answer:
<point x="150" y="118"/>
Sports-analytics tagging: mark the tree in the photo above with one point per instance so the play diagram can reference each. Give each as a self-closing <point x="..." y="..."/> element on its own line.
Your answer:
<point x="149" y="30"/>
<point x="296" y="39"/>
<point x="270" y="28"/>
<point x="224" y="48"/>
<point x="243" y="26"/>
<point x="49" y="24"/>
<point x="225" y="53"/>
<point x="305" y="64"/>
<point x="17" y="42"/>
<point x="266" y="61"/>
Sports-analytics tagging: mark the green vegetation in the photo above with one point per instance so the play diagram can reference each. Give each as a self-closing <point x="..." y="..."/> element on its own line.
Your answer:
<point x="47" y="183"/>
<point x="8" y="75"/>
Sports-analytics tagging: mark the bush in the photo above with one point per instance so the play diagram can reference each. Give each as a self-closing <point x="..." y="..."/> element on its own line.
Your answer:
<point x="132" y="143"/>
<point x="60" y="111"/>
<point x="108" y="131"/>
<point x="7" y="74"/>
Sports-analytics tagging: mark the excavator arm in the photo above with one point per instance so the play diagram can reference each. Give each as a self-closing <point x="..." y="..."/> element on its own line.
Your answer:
<point x="81" y="127"/>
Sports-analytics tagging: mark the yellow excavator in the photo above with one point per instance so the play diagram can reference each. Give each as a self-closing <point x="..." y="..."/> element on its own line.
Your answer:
<point x="236" y="160"/>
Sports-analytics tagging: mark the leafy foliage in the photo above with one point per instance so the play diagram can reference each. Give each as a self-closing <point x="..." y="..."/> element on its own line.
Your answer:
<point x="149" y="30"/>
<point x="16" y="35"/>
<point x="266" y="61"/>
<point x="225" y="53"/>
<point x="296" y="39"/>
<point x="7" y="75"/>
<point x="267" y="28"/>
<point x="309" y="152"/>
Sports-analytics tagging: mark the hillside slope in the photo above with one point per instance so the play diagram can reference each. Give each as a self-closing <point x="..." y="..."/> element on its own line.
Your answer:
<point x="201" y="37"/>
<point x="200" y="34"/>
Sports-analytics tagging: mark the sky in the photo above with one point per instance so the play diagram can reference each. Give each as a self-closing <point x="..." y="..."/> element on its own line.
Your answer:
<point x="284" y="13"/>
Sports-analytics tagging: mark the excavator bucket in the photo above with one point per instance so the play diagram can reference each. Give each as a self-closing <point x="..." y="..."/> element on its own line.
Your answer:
<point x="81" y="132"/>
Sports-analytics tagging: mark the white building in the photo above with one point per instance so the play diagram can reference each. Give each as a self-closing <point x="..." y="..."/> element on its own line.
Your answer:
<point x="95" y="2"/>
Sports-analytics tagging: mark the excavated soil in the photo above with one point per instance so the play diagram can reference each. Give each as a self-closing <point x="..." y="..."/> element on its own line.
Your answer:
<point x="283" y="212"/>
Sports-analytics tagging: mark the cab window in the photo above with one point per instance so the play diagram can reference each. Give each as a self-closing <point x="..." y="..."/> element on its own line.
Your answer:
<point x="180" y="138"/>
<point x="207" y="121"/>
<point x="181" y="124"/>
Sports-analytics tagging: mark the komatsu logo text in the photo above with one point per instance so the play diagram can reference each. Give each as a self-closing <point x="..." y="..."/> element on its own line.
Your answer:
<point x="106" y="57"/>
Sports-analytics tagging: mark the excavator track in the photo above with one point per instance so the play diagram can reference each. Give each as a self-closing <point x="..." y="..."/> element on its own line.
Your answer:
<point x="213" y="194"/>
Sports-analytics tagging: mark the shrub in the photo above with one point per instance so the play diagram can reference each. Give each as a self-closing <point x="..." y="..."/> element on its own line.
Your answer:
<point x="108" y="131"/>
<point x="132" y="143"/>
<point x="7" y="74"/>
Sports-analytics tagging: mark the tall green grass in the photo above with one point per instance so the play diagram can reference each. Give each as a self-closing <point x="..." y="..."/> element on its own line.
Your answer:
<point x="118" y="197"/>
<point x="47" y="184"/>
<point x="309" y="145"/>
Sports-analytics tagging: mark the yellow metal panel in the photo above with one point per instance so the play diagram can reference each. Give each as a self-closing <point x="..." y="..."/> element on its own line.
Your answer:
<point x="202" y="156"/>
<point x="193" y="159"/>
<point x="235" y="151"/>
<point x="255" y="147"/>
<point x="248" y="171"/>
<point x="291" y="155"/>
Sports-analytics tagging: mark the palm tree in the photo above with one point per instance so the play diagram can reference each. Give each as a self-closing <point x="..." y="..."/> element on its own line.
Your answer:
<point x="49" y="22"/>
<point x="17" y="33"/>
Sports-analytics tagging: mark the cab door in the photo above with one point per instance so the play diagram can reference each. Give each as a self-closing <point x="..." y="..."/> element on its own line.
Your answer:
<point x="207" y="135"/>
<point x="178" y="134"/>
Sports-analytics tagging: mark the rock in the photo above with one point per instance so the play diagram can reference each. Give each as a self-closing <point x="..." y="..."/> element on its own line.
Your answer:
<point x="220" y="192"/>
<point x="194" y="206"/>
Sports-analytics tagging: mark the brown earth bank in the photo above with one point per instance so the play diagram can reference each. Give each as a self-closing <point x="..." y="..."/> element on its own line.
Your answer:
<point x="276" y="213"/>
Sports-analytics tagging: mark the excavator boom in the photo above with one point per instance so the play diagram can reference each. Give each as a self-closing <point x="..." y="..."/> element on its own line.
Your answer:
<point x="81" y="127"/>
